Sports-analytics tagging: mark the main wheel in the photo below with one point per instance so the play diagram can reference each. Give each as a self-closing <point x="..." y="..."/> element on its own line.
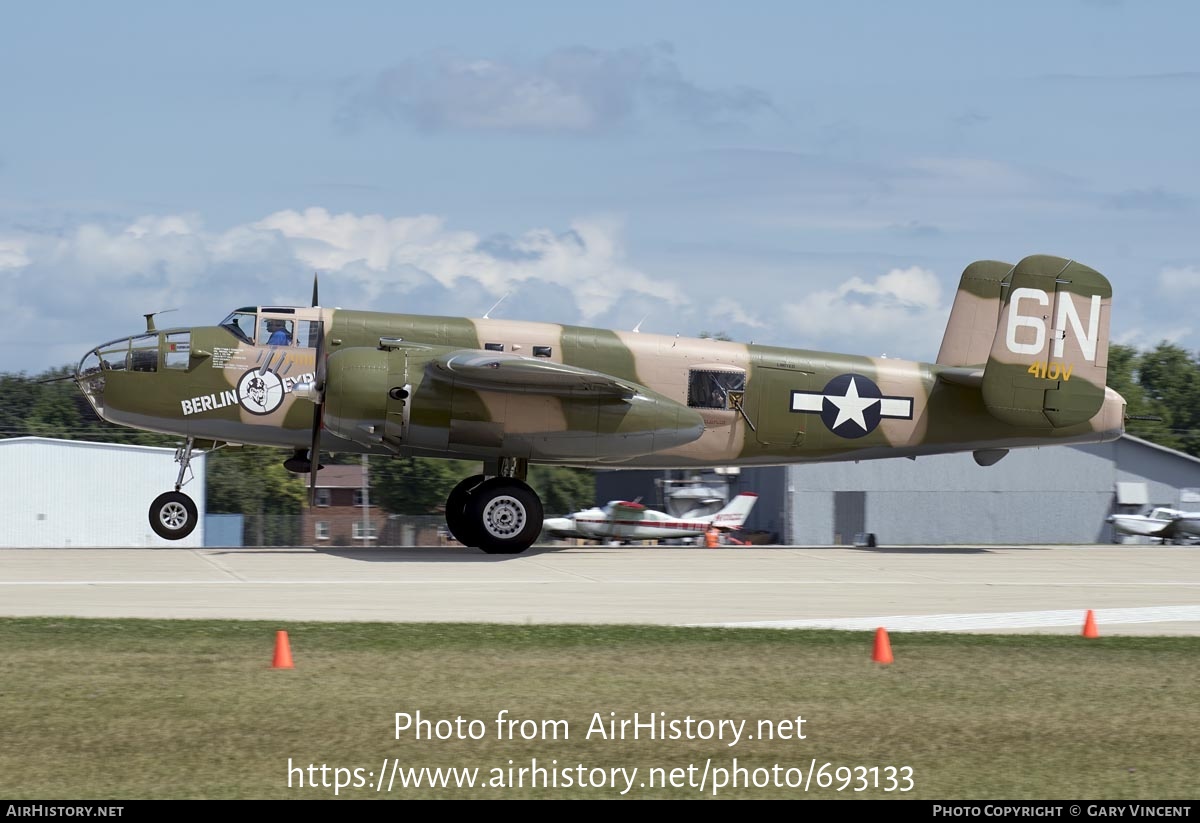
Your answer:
<point x="507" y="514"/>
<point x="173" y="515"/>
<point x="460" y="527"/>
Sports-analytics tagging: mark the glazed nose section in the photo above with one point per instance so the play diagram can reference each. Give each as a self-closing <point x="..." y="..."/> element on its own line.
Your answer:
<point x="139" y="353"/>
<point x="90" y="377"/>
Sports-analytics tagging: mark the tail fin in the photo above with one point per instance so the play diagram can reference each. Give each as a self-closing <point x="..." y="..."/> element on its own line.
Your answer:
<point x="1049" y="360"/>
<point x="973" y="318"/>
<point x="736" y="512"/>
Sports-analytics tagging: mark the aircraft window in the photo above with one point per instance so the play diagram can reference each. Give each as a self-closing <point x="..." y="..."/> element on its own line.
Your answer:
<point x="307" y="332"/>
<point x="709" y="389"/>
<point x="241" y="323"/>
<point x="274" y="331"/>
<point x="541" y="351"/>
<point x="143" y="353"/>
<point x="494" y="346"/>
<point x="177" y="350"/>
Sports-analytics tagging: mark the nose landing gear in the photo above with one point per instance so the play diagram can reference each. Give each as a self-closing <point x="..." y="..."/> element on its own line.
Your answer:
<point x="173" y="514"/>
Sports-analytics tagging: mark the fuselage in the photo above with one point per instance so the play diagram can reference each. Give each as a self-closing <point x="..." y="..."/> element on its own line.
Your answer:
<point x="698" y="402"/>
<point x="618" y="524"/>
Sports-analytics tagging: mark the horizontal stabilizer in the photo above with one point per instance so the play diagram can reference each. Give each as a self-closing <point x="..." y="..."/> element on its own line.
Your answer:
<point x="964" y="376"/>
<point x="1049" y="359"/>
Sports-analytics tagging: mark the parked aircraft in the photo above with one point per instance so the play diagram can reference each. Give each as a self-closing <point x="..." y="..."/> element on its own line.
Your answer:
<point x="1022" y="363"/>
<point x="1162" y="522"/>
<point x="630" y="520"/>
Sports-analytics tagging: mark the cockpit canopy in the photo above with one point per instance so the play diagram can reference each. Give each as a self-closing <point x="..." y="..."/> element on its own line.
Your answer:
<point x="274" y="325"/>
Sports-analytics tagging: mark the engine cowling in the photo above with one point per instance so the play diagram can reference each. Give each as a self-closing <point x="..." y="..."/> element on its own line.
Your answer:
<point x="401" y="398"/>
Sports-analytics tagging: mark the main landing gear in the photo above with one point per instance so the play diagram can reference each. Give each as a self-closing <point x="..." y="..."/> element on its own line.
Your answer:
<point x="497" y="512"/>
<point x="173" y="514"/>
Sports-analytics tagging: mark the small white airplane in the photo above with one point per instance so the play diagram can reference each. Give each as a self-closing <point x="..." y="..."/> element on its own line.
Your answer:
<point x="631" y="520"/>
<point x="1162" y="522"/>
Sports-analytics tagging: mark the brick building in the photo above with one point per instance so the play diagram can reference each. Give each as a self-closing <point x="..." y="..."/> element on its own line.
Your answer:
<point x="337" y="519"/>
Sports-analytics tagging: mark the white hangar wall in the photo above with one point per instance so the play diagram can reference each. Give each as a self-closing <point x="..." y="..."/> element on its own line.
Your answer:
<point x="1059" y="494"/>
<point x="72" y="493"/>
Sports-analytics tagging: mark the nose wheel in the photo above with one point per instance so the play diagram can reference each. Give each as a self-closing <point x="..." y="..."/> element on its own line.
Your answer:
<point x="173" y="515"/>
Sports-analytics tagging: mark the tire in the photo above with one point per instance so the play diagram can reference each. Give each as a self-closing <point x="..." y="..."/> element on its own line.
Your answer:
<point x="457" y="524"/>
<point x="173" y="515"/>
<point x="507" y="514"/>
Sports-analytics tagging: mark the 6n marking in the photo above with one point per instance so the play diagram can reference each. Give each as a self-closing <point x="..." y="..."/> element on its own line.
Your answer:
<point x="1068" y="318"/>
<point x="1052" y="370"/>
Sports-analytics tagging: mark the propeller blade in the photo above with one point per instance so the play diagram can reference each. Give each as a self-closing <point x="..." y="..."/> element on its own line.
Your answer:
<point x="315" y="303"/>
<point x="314" y="459"/>
<point x="314" y="454"/>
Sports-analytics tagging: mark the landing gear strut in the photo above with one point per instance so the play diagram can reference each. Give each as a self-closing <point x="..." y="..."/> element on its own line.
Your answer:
<point x="173" y="514"/>
<point x="500" y="513"/>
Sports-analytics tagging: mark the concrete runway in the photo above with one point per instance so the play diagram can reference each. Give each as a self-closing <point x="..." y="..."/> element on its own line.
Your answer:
<point x="1133" y="589"/>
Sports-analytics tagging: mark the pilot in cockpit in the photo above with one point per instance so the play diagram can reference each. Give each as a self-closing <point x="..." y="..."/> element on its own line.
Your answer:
<point x="280" y="336"/>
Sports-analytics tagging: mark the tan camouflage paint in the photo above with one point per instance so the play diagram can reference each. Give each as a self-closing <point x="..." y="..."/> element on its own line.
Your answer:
<point x="974" y="315"/>
<point x="945" y="401"/>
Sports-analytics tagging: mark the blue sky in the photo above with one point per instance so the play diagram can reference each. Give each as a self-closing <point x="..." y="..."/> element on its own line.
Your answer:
<point x="804" y="174"/>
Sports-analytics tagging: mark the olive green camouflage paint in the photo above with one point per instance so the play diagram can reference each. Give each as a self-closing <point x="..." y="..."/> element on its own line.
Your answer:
<point x="1066" y="306"/>
<point x="978" y="395"/>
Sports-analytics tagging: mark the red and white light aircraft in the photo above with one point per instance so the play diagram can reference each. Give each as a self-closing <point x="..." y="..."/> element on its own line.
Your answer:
<point x="630" y="520"/>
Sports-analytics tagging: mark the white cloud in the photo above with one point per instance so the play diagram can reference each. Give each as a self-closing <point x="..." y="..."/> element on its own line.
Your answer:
<point x="1141" y="338"/>
<point x="571" y="90"/>
<point x="12" y="254"/>
<point x="1175" y="279"/>
<point x="727" y="307"/>
<point x="900" y="313"/>
<point x="94" y="282"/>
<point x="587" y="260"/>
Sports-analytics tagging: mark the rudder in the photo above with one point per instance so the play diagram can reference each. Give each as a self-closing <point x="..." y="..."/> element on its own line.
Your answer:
<point x="735" y="513"/>
<point x="1048" y="363"/>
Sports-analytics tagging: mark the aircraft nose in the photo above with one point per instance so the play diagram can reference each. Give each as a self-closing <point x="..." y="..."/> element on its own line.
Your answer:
<point x="90" y="378"/>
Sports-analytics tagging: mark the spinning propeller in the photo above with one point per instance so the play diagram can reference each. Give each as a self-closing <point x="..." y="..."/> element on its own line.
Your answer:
<point x="318" y="399"/>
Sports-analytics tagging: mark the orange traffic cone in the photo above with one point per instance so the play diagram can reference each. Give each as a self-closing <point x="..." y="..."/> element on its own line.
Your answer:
<point x="883" y="647"/>
<point x="1089" y="625"/>
<point x="283" y="652"/>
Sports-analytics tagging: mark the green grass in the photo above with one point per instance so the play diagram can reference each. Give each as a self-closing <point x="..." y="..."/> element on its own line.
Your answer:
<point x="129" y="709"/>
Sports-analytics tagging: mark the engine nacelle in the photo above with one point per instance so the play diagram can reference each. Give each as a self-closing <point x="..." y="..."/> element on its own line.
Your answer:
<point x="399" y="398"/>
<point x="356" y="394"/>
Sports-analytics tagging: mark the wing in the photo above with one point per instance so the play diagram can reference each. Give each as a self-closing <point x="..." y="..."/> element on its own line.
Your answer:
<point x="496" y="371"/>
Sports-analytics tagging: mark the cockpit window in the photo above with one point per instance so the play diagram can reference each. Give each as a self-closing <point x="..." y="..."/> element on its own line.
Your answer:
<point x="177" y="349"/>
<point x="241" y="323"/>
<point x="143" y="353"/>
<point x="273" y="331"/>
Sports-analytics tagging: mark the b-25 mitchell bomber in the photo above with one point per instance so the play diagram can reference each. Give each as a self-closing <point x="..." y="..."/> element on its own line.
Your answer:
<point x="1023" y="363"/>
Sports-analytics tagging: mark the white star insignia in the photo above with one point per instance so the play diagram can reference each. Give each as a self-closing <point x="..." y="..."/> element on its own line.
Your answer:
<point x="851" y="406"/>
